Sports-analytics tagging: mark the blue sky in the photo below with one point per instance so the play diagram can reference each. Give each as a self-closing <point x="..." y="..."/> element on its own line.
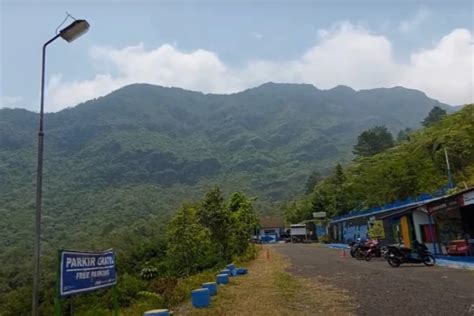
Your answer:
<point x="223" y="47"/>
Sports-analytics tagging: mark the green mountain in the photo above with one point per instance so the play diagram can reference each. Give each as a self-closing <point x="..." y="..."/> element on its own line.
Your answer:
<point x="415" y="166"/>
<point x="142" y="150"/>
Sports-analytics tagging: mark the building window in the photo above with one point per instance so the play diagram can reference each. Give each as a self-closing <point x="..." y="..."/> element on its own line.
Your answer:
<point x="428" y="236"/>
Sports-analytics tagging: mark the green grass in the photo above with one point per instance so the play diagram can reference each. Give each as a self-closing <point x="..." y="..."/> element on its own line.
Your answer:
<point x="288" y="286"/>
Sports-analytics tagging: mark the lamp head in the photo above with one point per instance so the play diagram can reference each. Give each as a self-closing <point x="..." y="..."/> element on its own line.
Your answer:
<point x="74" y="30"/>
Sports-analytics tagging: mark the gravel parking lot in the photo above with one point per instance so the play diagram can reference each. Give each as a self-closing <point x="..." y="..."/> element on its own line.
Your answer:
<point x="378" y="289"/>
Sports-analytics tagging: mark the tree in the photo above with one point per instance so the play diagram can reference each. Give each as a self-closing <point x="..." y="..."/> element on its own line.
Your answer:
<point x="435" y="115"/>
<point x="213" y="215"/>
<point x="244" y="221"/>
<point x="339" y="178"/>
<point x="321" y="202"/>
<point x="190" y="248"/>
<point x="298" y="211"/>
<point x="403" y="135"/>
<point x="313" y="179"/>
<point x="373" y="141"/>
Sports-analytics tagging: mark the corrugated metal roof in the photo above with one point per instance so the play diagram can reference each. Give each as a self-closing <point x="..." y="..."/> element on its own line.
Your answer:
<point x="381" y="211"/>
<point x="271" y="222"/>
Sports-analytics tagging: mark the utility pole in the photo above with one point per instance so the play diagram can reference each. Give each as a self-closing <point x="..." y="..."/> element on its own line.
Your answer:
<point x="450" y="178"/>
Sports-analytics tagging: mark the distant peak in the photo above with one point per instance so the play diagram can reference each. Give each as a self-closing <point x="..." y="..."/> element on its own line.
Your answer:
<point x="146" y="87"/>
<point x="342" y="88"/>
<point x="400" y="88"/>
<point x="278" y="85"/>
<point x="267" y="84"/>
<point x="395" y="89"/>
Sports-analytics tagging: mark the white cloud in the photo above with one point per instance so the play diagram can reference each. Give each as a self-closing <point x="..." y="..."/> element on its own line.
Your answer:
<point x="61" y="94"/>
<point x="199" y="70"/>
<point x="345" y="54"/>
<point x="413" y="23"/>
<point x="445" y="71"/>
<point x="348" y="55"/>
<point x="9" y="101"/>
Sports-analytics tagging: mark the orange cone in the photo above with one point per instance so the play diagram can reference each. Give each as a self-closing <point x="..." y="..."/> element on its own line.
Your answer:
<point x="343" y="254"/>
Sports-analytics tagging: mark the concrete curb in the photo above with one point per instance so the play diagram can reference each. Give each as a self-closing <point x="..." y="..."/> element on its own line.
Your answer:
<point x="337" y="246"/>
<point x="454" y="264"/>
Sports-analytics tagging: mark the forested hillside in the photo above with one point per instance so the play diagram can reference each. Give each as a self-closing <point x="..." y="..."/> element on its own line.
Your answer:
<point x="417" y="165"/>
<point x="158" y="265"/>
<point x="141" y="151"/>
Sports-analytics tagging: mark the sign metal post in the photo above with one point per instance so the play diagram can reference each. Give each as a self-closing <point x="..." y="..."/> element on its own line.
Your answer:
<point x="57" y="299"/>
<point x="115" y="300"/>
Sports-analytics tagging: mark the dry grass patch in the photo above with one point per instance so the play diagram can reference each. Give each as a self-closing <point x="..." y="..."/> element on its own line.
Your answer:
<point x="269" y="290"/>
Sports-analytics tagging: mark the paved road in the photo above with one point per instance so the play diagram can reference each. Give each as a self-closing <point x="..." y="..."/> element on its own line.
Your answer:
<point x="379" y="289"/>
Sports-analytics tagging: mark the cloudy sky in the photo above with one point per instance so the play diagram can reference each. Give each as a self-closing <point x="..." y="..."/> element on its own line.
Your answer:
<point x="224" y="47"/>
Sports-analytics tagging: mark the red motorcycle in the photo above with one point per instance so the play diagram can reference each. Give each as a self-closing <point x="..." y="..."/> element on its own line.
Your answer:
<point x="365" y="248"/>
<point x="376" y="250"/>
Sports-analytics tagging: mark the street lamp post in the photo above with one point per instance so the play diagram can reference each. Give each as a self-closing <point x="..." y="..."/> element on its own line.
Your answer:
<point x="69" y="33"/>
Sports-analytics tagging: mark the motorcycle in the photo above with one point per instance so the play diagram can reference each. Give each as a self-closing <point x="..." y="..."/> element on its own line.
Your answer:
<point x="397" y="255"/>
<point x="376" y="250"/>
<point x="363" y="249"/>
<point x="354" y="246"/>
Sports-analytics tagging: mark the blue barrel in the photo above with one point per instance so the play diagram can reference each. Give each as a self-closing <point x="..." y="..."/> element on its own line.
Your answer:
<point x="225" y="271"/>
<point x="157" y="312"/>
<point x="212" y="286"/>
<point x="201" y="298"/>
<point x="231" y="267"/>
<point x="222" y="279"/>
<point x="241" y="271"/>
<point x="234" y="272"/>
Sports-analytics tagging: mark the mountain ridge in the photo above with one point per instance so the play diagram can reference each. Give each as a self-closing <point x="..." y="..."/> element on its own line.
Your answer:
<point x="268" y="116"/>
<point x="270" y="84"/>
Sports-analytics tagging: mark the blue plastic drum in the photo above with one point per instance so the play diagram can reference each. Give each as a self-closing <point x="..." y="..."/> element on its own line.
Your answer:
<point x="201" y="298"/>
<point x="231" y="267"/>
<point x="241" y="271"/>
<point x="212" y="286"/>
<point x="222" y="279"/>
<point x="225" y="271"/>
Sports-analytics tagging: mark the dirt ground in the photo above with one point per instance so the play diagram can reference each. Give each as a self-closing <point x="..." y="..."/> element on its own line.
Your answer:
<point x="269" y="290"/>
<point x="378" y="289"/>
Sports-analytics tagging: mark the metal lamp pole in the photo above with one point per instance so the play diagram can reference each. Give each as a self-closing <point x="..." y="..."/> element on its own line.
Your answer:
<point x="70" y="33"/>
<point x="39" y="188"/>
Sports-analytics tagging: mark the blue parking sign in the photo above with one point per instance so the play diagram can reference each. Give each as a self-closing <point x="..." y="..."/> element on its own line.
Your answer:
<point x="86" y="271"/>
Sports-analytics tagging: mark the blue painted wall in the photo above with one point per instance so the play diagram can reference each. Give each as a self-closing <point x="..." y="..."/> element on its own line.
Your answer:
<point x="351" y="231"/>
<point x="320" y="230"/>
